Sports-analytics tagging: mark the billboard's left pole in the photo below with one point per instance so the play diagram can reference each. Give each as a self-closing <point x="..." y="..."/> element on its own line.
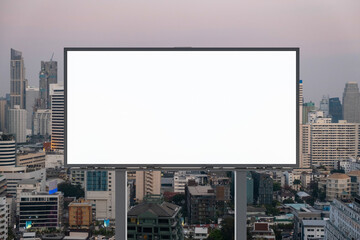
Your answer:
<point x="121" y="206"/>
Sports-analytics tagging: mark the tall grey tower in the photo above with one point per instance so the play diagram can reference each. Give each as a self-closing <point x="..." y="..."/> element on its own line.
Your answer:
<point x="47" y="76"/>
<point x="351" y="103"/>
<point x="17" y="80"/>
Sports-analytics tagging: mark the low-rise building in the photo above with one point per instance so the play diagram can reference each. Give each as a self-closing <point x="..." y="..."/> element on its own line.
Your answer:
<point x="41" y="210"/>
<point x="31" y="160"/>
<point x="313" y="229"/>
<point x="344" y="222"/>
<point x="262" y="230"/>
<point x="337" y="186"/>
<point x="80" y="214"/>
<point x="154" y="218"/>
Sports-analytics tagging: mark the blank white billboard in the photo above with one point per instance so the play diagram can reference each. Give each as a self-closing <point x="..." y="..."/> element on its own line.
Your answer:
<point x="181" y="107"/>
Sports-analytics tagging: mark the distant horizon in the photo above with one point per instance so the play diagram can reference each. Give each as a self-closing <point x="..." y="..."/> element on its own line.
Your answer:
<point x="326" y="32"/>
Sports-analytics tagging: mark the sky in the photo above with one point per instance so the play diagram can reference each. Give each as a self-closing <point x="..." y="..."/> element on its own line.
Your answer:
<point x="327" y="32"/>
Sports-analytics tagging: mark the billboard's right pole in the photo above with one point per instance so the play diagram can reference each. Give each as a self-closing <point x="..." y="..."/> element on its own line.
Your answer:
<point x="240" y="205"/>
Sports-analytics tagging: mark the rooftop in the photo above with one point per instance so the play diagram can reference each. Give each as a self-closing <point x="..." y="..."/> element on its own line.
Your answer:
<point x="314" y="223"/>
<point x="201" y="190"/>
<point x="338" y="176"/>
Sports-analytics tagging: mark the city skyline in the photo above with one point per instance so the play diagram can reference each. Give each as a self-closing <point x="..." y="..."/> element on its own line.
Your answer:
<point x="328" y="60"/>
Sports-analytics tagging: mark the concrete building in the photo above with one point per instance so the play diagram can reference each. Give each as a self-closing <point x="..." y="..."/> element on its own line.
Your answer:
<point x="31" y="160"/>
<point x="354" y="182"/>
<point x="26" y="185"/>
<point x="335" y="110"/>
<point x="201" y="233"/>
<point x="77" y="177"/>
<point x="154" y="218"/>
<point x="315" y="115"/>
<point x="57" y="117"/>
<point x="47" y="76"/>
<point x="324" y="144"/>
<point x="15" y="174"/>
<point x="17" y="80"/>
<point x="54" y="160"/>
<point x="201" y="204"/>
<point x="44" y="210"/>
<point x="100" y="191"/>
<point x="324" y="106"/>
<point x="351" y="103"/>
<point x="307" y="107"/>
<point x="313" y="229"/>
<point x="2" y="185"/>
<point x="265" y="189"/>
<point x="147" y="182"/>
<point x="80" y="215"/>
<point x="262" y="230"/>
<point x="301" y="101"/>
<point x="338" y="186"/>
<point x="42" y="122"/>
<point x="3" y="115"/>
<point x="17" y="123"/>
<point x="344" y="222"/>
<point x="32" y="94"/>
<point x="7" y="151"/>
<point x="303" y="212"/>
<point x="249" y="189"/>
<point x="4" y="218"/>
<point x="349" y="164"/>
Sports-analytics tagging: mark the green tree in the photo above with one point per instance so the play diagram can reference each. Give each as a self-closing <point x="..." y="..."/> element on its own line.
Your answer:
<point x="227" y="228"/>
<point x="276" y="186"/>
<point x="215" y="234"/>
<point x="71" y="190"/>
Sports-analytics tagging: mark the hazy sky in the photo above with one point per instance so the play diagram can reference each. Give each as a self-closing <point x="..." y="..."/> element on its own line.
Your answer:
<point x="327" y="32"/>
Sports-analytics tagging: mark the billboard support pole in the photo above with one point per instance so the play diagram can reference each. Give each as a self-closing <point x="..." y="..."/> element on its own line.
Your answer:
<point x="121" y="206"/>
<point x="240" y="205"/>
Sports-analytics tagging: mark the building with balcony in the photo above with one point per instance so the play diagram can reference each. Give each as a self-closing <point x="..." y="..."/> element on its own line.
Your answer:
<point x="154" y="219"/>
<point x="80" y="214"/>
<point x="338" y="186"/>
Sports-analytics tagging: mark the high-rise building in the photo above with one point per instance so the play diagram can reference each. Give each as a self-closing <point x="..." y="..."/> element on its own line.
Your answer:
<point x="147" y="182"/>
<point x="351" y="103"/>
<point x="3" y="113"/>
<point x="338" y="186"/>
<point x="7" y="150"/>
<point x="42" y="209"/>
<point x="32" y="94"/>
<point x="335" y="109"/>
<point x="265" y="189"/>
<point x="344" y="222"/>
<point x="17" y="123"/>
<point x="154" y="219"/>
<point x="57" y="116"/>
<point x="249" y="189"/>
<point x="17" y="80"/>
<point x="42" y="122"/>
<point x="2" y="185"/>
<point x="325" y="143"/>
<point x="3" y="218"/>
<point x="324" y="105"/>
<point x="307" y="107"/>
<point x="47" y="76"/>
<point x="100" y="191"/>
<point x="301" y="101"/>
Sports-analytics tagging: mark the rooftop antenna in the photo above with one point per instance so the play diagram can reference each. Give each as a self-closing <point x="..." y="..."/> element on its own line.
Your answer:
<point x="51" y="57"/>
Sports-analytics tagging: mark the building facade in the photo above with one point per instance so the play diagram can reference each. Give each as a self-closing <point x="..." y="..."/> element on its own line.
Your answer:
<point x="57" y="117"/>
<point x="80" y="215"/>
<point x="351" y="103"/>
<point x="17" y="123"/>
<point x="338" y="186"/>
<point x="32" y="94"/>
<point x="335" y="110"/>
<point x="7" y="151"/>
<point x="344" y="222"/>
<point x="47" y="76"/>
<point x="17" y="80"/>
<point x="3" y="218"/>
<point x="44" y="210"/>
<point x="147" y="182"/>
<point x="42" y="122"/>
<point x="154" y="218"/>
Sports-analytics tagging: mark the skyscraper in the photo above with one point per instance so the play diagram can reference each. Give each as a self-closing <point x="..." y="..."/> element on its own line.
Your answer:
<point x="57" y="116"/>
<point x="7" y="150"/>
<point x="307" y="107"/>
<point x="3" y="111"/>
<point x="17" y="123"/>
<point x="301" y="101"/>
<point x="335" y="109"/>
<point x="17" y="80"/>
<point x="351" y="103"/>
<point x="324" y="105"/>
<point x="47" y="76"/>
<point x="32" y="94"/>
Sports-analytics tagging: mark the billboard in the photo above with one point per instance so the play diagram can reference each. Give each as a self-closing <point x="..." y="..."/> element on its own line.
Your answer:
<point x="181" y="107"/>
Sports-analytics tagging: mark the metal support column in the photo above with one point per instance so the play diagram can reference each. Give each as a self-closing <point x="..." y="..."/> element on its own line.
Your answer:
<point x="121" y="206"/>
<point x="240" y="205"/>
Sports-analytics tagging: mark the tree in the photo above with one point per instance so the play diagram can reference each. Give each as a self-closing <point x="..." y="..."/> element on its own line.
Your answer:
<point x="276" y="186"/>
<point x="297" y="182"/>
<point x="70" y="190"/>
<point x="337" y="171"/>
<point x="227" y="228"/>
<point x="215" y="234"/>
